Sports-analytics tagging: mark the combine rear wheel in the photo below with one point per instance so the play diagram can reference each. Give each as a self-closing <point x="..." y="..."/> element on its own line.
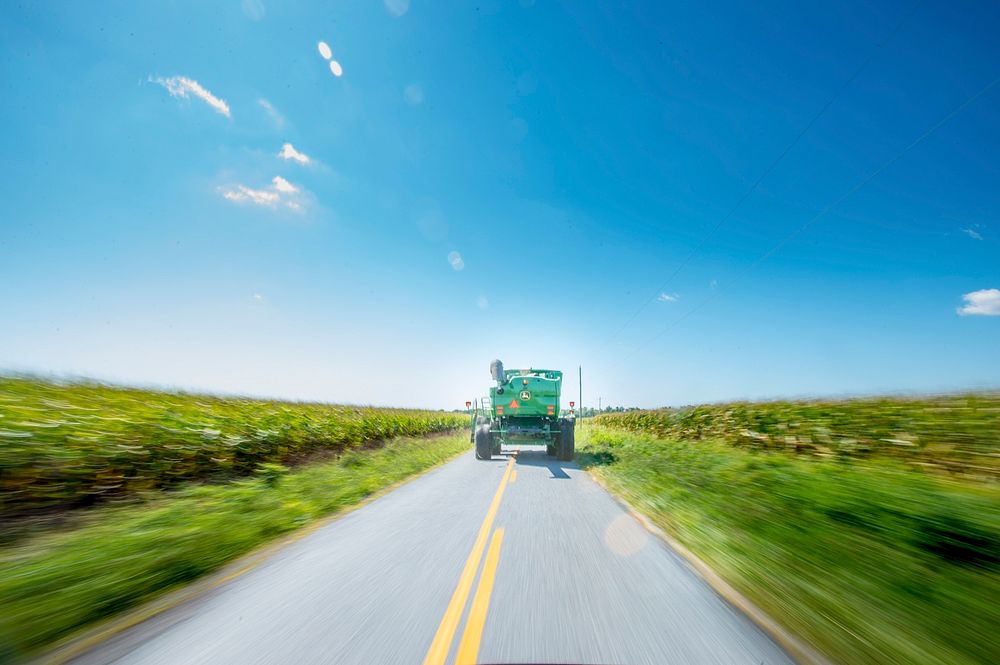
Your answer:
<point x="567" y="440"/>
<point x="484" y="446"/>
<point x="472" y="434"/>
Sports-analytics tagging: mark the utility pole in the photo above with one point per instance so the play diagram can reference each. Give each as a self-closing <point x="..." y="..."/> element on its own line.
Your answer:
<point x="580" y="369"/>
<point x="600" y="400"/>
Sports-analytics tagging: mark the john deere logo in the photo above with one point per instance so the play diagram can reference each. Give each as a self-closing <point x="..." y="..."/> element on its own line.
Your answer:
<point x="525" y="395"/>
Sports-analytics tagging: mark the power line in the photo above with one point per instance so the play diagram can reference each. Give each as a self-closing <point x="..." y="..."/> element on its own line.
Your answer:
<point x="825" y="211"/>
<point x="767" y="171"/>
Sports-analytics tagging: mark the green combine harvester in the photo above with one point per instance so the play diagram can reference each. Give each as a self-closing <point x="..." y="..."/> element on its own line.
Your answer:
<point x="522" y="408"/>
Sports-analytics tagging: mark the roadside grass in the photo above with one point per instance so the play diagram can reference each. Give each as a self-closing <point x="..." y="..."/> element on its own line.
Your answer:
<point x="74" y="445"/>
<point x="54" y="584"/>
<point x="955" y="435"/>
<point x="870" y="560"/>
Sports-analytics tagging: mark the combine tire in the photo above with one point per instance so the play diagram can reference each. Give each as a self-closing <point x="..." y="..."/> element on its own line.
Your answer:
<point x="484" y="447"/>
<point x="567" y="440"/>
<point x="472" y="433"/>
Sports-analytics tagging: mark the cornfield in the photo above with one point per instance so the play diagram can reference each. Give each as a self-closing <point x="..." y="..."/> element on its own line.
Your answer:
<point x="63" y="446"/>
<point x="953" y="435"/>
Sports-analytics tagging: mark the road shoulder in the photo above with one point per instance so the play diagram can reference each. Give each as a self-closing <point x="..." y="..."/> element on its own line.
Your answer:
<point x="142" y="620"/>
<point x="795" y="647"/>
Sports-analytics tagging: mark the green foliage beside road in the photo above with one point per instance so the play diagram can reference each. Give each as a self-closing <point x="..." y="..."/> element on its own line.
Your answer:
<point x="842" y="535"/>
<point x="953" y="434"/>
<point x="52" y="584"/>
<point x="64" y="446"/>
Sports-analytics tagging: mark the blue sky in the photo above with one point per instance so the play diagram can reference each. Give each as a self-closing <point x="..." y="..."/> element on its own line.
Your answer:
<point x="500" y="179"/>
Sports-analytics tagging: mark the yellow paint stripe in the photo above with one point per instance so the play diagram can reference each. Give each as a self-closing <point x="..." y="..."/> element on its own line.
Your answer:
<point x="513" y="476"/>
<point x="468" y="648"/>
<point x="76" y="645"/>
<point x="438" y="652"/>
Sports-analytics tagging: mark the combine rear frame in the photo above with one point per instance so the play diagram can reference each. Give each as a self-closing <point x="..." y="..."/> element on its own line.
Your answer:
<point x="522" y="407"/>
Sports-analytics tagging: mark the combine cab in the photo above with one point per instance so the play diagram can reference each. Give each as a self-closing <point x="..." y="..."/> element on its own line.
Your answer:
<point x="523" y="407"/>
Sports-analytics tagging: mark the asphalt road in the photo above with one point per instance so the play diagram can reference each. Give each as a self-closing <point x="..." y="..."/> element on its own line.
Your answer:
<point x="509" y="561"/>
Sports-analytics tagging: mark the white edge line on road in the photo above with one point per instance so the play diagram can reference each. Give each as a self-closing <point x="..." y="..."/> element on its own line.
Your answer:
<point x="796" y="648"/>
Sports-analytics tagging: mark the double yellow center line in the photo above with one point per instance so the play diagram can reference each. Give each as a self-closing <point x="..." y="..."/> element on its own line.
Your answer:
<point x="468" y="648"/>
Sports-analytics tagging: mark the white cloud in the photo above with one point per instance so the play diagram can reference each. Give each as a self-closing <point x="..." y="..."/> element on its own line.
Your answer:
<point x="413" y="94"/>
<point x="327" y="53"/>
<point x="985" y="302"/>
<point x="482" y="302"/>
<point x="433" y="226"/>
<point x="181" y="86"/>
<point x="279" y="192"/>
<point x="283" y="185"/>
<point x="288" y="151"/>
<point x="276" y="117"/>
<point x="254" y="9"/>
<point x="397" y="7"/>
<point x="258" y="296"/>
<point x="972" y="233"/>
<point x="242" y="193"/>
<point x="668" y="297"/>
<point x="455" y="259"/>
